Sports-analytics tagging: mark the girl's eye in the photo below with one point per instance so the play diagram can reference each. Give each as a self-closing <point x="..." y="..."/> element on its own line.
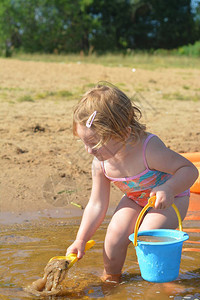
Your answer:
<point x="94" y="146"/>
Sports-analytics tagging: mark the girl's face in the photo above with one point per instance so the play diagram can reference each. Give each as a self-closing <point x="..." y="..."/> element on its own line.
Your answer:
<point x="91" y="139"/>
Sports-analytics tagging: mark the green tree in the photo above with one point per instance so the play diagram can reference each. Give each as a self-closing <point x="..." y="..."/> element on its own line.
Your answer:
<point x="112" y="24"/>
<point x="9" y="33"/>
<point x="81" y="25"/>
<point x="142" y="24"/>
<point x="45" y="25"/>
<point x="165" y="24"/>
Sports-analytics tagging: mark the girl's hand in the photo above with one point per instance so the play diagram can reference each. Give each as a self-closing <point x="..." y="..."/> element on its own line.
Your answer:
<point x="164" y="197"/>
<point x="77" y="247"/>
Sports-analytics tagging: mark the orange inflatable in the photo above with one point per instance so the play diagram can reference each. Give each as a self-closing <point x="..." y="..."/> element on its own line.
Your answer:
<point x="195" y="159"/>
<point x="196" y="186"/>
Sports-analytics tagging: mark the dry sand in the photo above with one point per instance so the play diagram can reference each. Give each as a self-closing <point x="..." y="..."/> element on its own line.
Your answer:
<point x="43" y="169"/>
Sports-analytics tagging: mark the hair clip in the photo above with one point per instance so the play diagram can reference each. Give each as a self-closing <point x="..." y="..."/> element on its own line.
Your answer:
<point x="91" y="119"/>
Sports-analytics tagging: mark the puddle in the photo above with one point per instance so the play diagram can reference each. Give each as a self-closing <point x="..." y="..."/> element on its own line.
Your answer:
<point x="26" y="248"/>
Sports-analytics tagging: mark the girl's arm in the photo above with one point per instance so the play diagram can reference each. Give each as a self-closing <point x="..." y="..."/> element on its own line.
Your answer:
<point x="95" y="210"/>
<point x="159" y="157"/>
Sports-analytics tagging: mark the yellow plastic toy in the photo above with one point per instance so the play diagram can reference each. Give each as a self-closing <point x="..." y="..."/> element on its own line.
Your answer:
<point x="151" y="203"/>
<point x="72" y="257"/>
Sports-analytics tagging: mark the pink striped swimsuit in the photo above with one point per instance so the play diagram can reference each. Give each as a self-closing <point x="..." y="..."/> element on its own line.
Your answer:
<point x="138" y="187"/>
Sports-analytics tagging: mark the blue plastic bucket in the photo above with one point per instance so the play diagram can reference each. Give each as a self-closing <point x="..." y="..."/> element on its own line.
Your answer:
<point x="160" y="261"/>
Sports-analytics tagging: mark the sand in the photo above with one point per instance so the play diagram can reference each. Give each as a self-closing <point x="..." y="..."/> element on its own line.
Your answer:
<point x="43" y="168"/>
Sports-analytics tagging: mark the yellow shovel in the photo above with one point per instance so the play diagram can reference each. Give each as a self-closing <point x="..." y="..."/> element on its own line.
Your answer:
<point x="42" y="287"/>
<point x="72" y="257"/>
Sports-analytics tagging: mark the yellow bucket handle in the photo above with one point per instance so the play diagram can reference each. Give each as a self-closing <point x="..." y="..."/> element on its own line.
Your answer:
<point x="72" y="257"/>
<point x="151" y="203"/>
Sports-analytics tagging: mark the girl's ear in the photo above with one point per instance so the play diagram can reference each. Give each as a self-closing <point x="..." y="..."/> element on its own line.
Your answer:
<point x="128" y="131"/>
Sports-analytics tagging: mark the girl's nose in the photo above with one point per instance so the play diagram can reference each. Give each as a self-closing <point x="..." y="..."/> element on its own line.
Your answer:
<point x="89" y="150"/>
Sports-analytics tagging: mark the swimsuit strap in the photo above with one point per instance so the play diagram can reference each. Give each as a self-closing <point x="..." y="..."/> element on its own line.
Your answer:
<point x="102" y="165"/>
<point x="144" y="149"/>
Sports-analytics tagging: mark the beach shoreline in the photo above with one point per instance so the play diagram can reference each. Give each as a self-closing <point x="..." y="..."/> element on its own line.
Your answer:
<point x="43" y="167"/>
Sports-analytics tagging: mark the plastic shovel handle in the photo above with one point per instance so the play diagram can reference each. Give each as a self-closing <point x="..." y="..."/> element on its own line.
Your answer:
<point x="73" y="256"/>
<point x="89" y="244"/>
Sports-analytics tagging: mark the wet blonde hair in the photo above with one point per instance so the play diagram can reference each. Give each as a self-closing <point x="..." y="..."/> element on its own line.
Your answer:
<point x="115" y="113"/>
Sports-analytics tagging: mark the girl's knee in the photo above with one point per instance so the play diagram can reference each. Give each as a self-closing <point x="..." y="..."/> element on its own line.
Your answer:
<point x="116" y="242"/>
<point x="116" y="236"/>
<point x="112" y="239"/>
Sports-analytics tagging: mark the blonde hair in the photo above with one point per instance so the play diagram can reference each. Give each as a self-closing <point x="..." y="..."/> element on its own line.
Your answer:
<point x="115" y="113"/>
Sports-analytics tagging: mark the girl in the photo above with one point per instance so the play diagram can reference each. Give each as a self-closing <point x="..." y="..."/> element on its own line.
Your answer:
<point x="138" y="163"/>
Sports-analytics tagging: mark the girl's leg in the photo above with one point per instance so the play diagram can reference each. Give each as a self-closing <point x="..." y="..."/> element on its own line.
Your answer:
<point x="165" y="218"/>
<point x="116" y="240"/>
<point x="122" y="225"/>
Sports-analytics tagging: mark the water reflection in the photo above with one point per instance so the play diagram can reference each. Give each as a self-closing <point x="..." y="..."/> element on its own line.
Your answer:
<point x="26" y="249"/>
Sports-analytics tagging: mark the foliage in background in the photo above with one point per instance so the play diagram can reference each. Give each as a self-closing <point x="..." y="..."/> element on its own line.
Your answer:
<point x="190" y="50"/>
<point x="65" y="26"/>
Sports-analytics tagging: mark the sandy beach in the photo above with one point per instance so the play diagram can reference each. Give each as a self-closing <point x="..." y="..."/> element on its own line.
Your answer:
<point x="44" y="170"/>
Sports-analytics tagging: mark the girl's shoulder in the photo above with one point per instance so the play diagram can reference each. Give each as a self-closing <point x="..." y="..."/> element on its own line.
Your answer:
<point x="147" y="140"/>
<point x="157" y="153"/>
<point x="97" y="167"/>
<point x="153" y="146"/>
<point x="152" y="140"/>
<point x="98" y="176"/>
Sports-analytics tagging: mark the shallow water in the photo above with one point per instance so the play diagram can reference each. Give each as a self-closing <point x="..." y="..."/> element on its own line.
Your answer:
<point x="26" y="248"/>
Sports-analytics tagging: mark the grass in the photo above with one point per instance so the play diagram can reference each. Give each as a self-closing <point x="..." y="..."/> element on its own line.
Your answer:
<point x="19" y="95"/>
<point x="64" y="94"/>
<point x="25" y="98"/>
<point x="10" y="89"/>
<point x="185" y="88"/>
<point x="179" y="96"/>
<point x="141" y="60"/>
<point x="55" y="94"/>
